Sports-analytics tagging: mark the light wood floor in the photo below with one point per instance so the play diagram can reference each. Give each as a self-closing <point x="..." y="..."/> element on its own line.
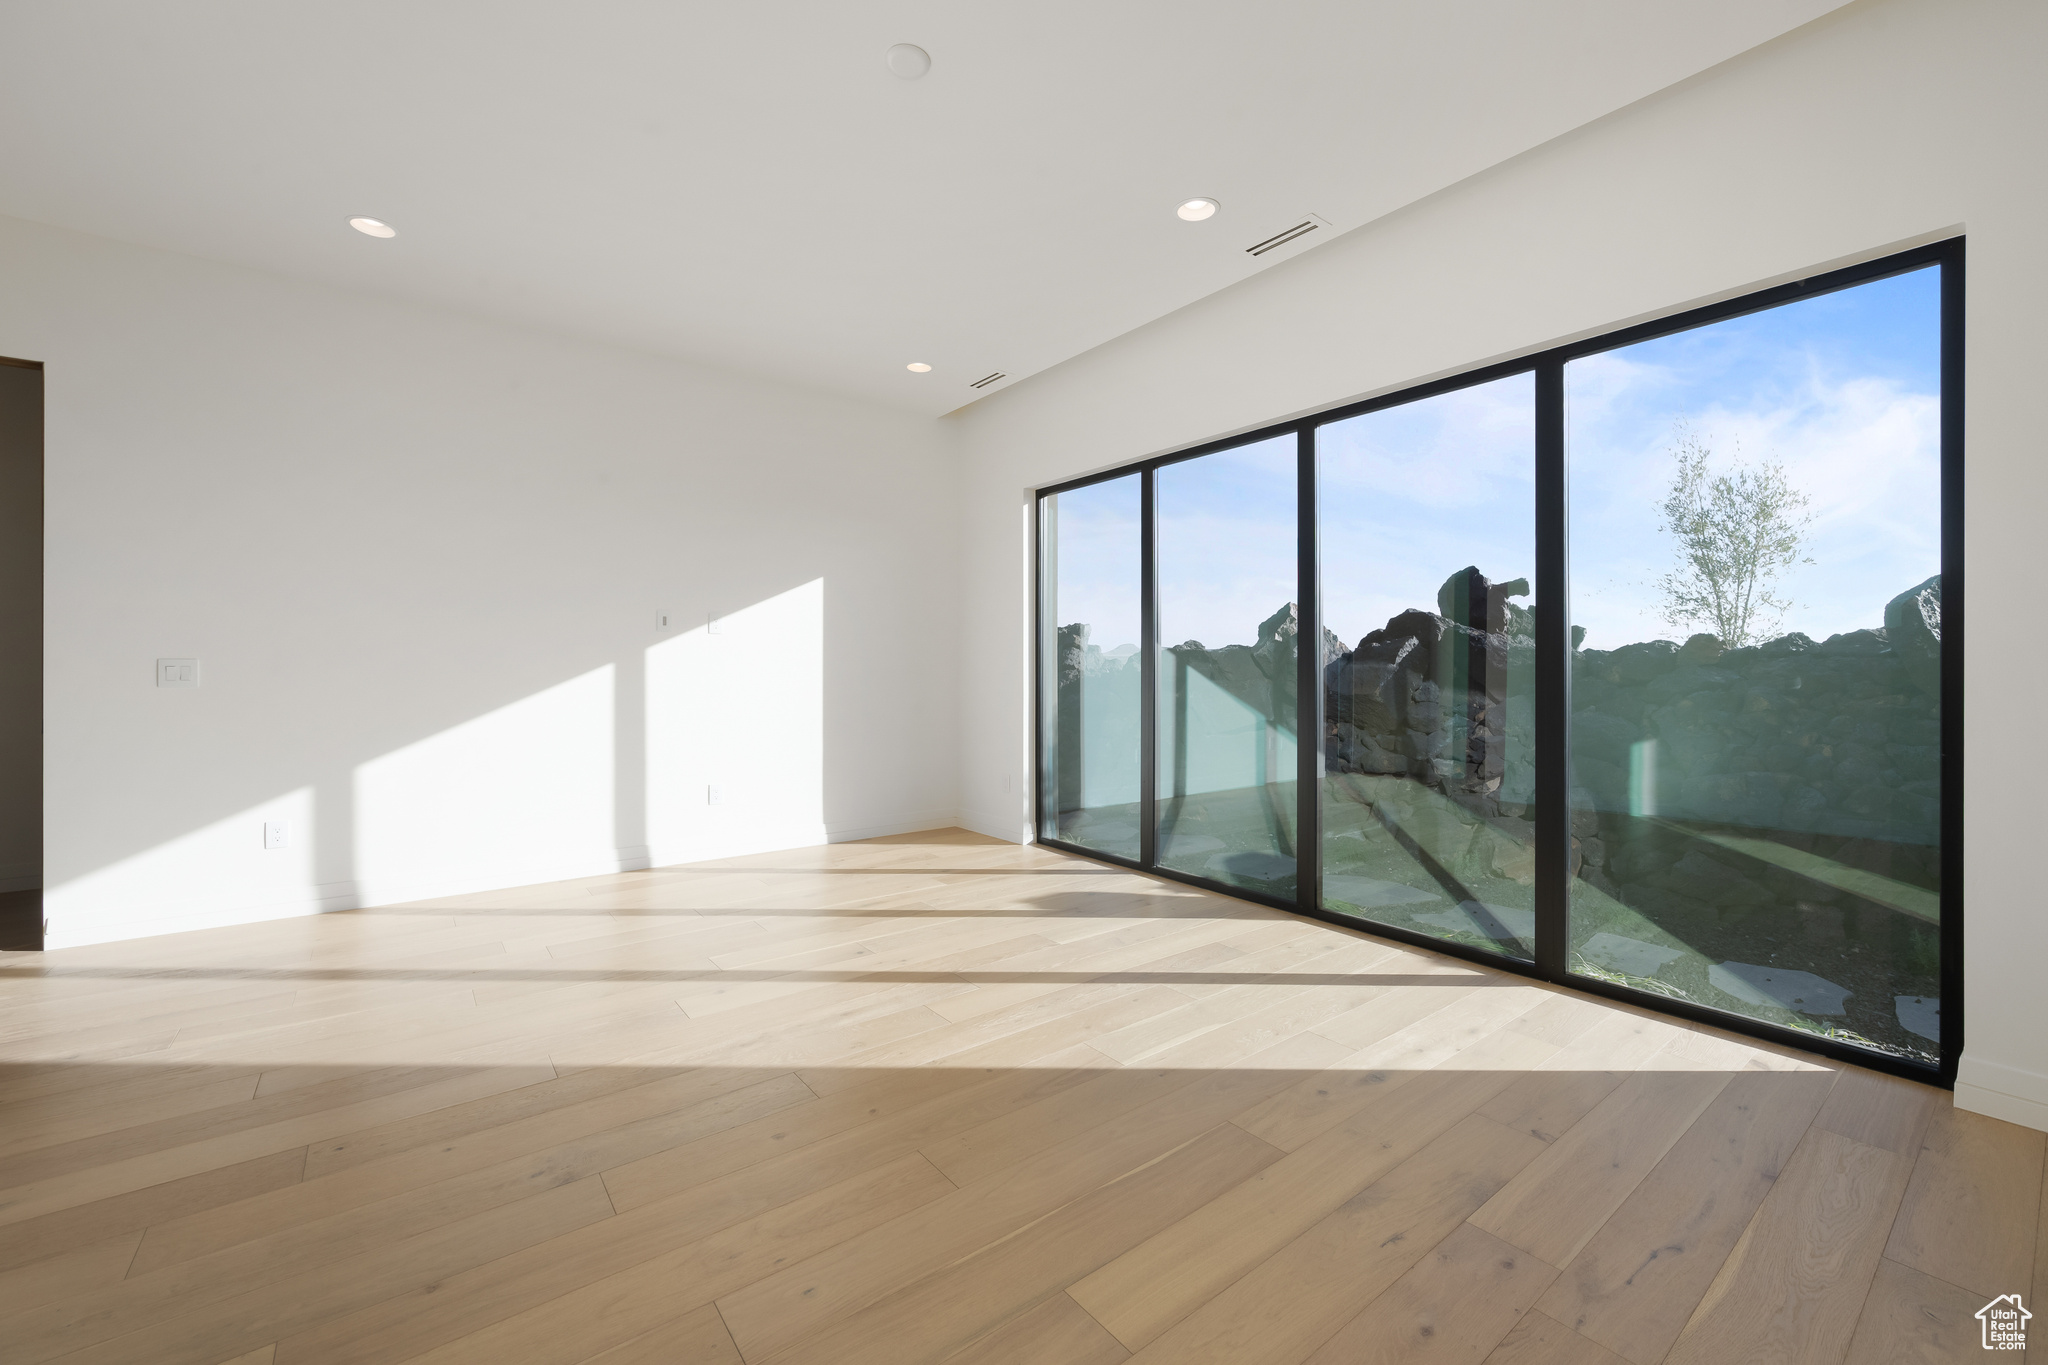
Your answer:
<point x="938" y="1098"/>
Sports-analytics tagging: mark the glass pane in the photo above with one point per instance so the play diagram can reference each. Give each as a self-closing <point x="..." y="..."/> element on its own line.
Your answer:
<point x="1428" y="536"/>
<point x="1090" y="689"/>
<point x="1756" y="597"/>
<point x="1226" y="549"/>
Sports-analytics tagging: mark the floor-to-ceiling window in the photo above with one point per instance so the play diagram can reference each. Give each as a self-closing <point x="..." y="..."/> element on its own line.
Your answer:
<point x="1756" y="697"/>
<point x="1090" y="681"/>
<point x="1427" y="526"/>
<point x="1225" y="548"/>
<point x="1632" y="665"/>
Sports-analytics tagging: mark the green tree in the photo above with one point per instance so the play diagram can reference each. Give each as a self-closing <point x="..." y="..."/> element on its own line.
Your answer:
<point x="1738" y="533"/>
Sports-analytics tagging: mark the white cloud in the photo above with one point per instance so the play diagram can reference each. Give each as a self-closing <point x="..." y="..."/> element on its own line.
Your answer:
<point x="1437" y="452"/>
<point x="1412" y="494"/>
<point x="1865" y="451"/>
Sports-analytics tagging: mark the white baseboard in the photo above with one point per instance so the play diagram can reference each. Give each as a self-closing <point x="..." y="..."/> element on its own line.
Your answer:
<point x="909" y="824"/>
<point x="105" y="925"/>
<point x="1999" y="1105"/>
<point x="2002" y="1092"/>
<point x="80" y="929"/>
<point x="739" y="842"/>
<point x="781" y="838"/>
<point x="437" y="885"/>
<point x="1007" y="826"/>
<point x="77" y="929"/>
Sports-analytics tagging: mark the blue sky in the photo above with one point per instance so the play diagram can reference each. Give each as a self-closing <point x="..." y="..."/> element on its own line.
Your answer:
<point x="1227" y="557"/>
<point x="1410" y="495"/>
<point x="1843" y="390"/>
<point x="1098" y="561"/>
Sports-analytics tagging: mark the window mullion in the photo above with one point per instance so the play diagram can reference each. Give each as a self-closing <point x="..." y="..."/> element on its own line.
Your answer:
<point x="1148" y="677"/>
<point x="1308" y="705"/>
<point x="1553" y="675"/>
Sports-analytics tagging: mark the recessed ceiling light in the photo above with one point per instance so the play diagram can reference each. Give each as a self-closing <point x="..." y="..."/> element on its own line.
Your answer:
<point x="918" y="367"/>
<point x="1195" y="210"/>
<point x="908" y="60"/>
<point x="373" y="227"/>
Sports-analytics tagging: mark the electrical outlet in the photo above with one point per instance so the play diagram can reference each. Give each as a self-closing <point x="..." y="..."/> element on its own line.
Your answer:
<point x="177" y="672"/>
<point x="714" y="796"/>
<point x="277" y="834"/>
<point x="714" y="626"/>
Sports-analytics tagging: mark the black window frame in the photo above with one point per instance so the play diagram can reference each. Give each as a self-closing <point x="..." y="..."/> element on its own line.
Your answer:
<point x="1553" y="661"/>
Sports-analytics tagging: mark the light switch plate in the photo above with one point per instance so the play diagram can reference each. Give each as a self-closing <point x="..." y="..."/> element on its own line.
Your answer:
<point x="277" y="834"/>
<point x="177" y="672"/>
<point x="661" y="619"/>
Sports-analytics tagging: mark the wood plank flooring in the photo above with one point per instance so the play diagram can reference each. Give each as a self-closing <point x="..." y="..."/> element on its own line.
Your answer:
<point x="937" y="1098"/>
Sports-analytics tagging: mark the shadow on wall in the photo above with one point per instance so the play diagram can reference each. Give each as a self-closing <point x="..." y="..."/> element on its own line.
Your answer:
<point x="709" y="743"/>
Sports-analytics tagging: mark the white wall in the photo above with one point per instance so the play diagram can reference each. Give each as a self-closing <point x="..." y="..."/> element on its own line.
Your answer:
<point x="1888" y="123"/>
<point x="419" y="558"/>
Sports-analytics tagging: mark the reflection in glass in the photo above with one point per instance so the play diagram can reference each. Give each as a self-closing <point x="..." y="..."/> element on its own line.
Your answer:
<point x="1226" y="551"/>
<point x="1756" y="599"/>
<point x="1427" y="533"/>
<point x="1091" y="688"/>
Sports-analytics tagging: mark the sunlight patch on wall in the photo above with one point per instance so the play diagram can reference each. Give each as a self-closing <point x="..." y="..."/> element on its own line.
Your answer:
<point x="736" y="732"/>
<point x="520" y="794"/>
<point x="221" y="873"/>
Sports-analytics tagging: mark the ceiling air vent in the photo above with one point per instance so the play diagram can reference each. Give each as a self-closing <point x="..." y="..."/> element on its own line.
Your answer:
<point x="1289" y="236"/>
<point x="987" y="380"/>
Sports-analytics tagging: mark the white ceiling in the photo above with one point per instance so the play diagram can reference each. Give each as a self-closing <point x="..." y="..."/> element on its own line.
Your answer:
<point x="749" y="185"/>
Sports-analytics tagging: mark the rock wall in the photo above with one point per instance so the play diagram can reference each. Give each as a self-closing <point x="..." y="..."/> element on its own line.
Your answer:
<point x="1442" y="697"/>
<point x="1840" y="737"/>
